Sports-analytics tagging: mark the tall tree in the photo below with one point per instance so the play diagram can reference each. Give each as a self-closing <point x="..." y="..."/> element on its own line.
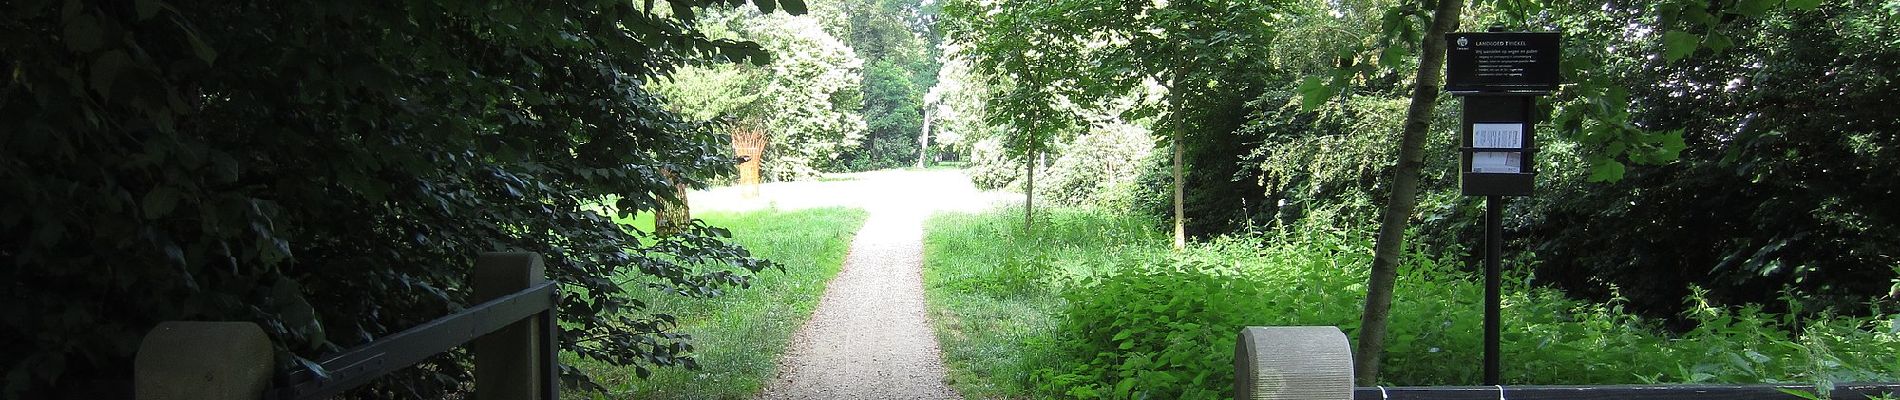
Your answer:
<point x="1387" y="251"/>
<point x="806" y="101"/>
<point x="1106" y="50"/>
<point x="892" y="109"/>
<point x="895" y="38"/>
<point x="330" y="170"/>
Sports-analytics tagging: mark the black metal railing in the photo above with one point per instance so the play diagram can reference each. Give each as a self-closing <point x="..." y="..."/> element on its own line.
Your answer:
<point x="1856" y="391"/>
<point x="1315" y="362"/>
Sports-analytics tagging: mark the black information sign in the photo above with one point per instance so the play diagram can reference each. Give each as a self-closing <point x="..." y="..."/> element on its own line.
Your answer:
<point x="1501" y="61"/>
<point x="1497" y="145"/>
<point x="1499" y="75"/>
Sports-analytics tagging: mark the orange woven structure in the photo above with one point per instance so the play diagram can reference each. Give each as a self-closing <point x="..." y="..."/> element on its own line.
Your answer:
<point x="748" y="143"/>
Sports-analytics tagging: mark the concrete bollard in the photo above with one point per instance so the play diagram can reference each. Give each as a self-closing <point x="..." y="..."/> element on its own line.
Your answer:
<point x="192" y="360"/>
<point x="1292" y="363"/>
<point x="506" y="361"/>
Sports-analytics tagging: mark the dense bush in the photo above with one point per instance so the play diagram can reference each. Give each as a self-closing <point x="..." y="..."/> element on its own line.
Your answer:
<point x="1152" y="333"/>
<point x="805" y="102"/>
<point x="994" y="292"/>
<point x="329" y="170"/>
<point x="1338" y="155"/>
<point x="1166" y="328"/>
<point x="1789" y="136"/>
<point x="990" y="167"/>
<point x="1096" y="169"/>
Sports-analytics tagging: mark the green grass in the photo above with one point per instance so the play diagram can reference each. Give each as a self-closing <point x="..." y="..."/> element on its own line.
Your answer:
<point x="1093" y="305"/>
<point x="739" y="337"/>
<point x="993" y="291"/>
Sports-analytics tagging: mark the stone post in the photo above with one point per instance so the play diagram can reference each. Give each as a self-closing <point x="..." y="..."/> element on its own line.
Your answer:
<point x="1292" y="363"/>
<point x="194" y="360"/>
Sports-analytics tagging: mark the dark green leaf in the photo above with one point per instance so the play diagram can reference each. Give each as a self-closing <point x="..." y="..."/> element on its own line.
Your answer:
<point x="793" y="7"/>
<point x="83" y="34"/>
<point x="199" y="47"/>
<point x="1393" y="56"/>
<point x="147" y="8"/>
<point x="682" y="11"/>
<point x="1606" y="170"/>
<point x="1670" y="146"/>
<point x="1678" y="44"/>
<point x="1717" y="43"/>
<point x="1753" y="8"/>
<point x="1314" y="92"/>
<point x="1804" y="4"/>
<point x="160" y="201"/>
<point x="106" y="70"/>
<point x="297" y="315"/>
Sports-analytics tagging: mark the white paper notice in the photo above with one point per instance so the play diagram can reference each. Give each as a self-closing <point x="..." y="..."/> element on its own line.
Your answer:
<point x="1497" y="136"/>
<point x="1490" y="162"/>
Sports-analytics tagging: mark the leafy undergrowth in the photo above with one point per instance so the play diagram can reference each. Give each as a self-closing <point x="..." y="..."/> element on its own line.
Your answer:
<point x="993" y="296"/>
<point x="1070" y="312"/>
<point x="739" y="336"/>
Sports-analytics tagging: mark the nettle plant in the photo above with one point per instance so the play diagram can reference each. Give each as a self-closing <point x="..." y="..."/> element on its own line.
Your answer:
<point x="329" y="170"/>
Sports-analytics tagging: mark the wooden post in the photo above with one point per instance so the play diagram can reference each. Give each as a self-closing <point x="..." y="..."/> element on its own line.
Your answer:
<point x="508" y="361"/>
<point x="192" y="360"/>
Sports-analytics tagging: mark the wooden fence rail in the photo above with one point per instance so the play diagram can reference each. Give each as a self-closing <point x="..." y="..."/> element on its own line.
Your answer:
<point x="513" y="333"/>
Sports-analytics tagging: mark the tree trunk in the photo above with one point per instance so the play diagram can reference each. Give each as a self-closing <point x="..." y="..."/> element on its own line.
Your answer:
<point x="1398" y="208"/>
<point x="1029" y="194"/>
<point x="673" y="216"/>
<point x="923" y="139"/>
<point x="1180" y="127"/>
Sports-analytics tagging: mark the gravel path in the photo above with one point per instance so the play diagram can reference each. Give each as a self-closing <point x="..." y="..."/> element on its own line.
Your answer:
<point x="870" y="338"/>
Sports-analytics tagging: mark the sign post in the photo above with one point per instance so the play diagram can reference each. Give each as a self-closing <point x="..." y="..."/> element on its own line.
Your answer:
<point x="1499" y="75"/>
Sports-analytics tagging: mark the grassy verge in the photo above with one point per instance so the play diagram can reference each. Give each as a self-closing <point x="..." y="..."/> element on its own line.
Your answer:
<point x="1093" y="306"/>
<point x="739" y="337"/>
<point x="994" y="291"/>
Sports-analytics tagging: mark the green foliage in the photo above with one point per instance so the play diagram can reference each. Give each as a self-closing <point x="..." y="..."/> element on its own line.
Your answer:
<point x="1051" y="62"/>
<point x="1147" y="323"/>
<point x="806" y="101"/>
<point x="994" y="291"/>
<point x="1098" y="168"/>
<point x="1152" y="333"/>
<point x="330" y="169"/>
<point x="991" y="167"/>
<point x="893" y="105"/>
<point x="957" y="119"/>
<point x="1778" y="135"/>
<point x="1312" y="161"/>
<point x="897" y="40"/>
<point x="1750" y="147"/>
<point x="1592" y="107"/>
<point x="738" y="338"/>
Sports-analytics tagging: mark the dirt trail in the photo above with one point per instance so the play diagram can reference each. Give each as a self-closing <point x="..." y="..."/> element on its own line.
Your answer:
<point x="870" y="337"/>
